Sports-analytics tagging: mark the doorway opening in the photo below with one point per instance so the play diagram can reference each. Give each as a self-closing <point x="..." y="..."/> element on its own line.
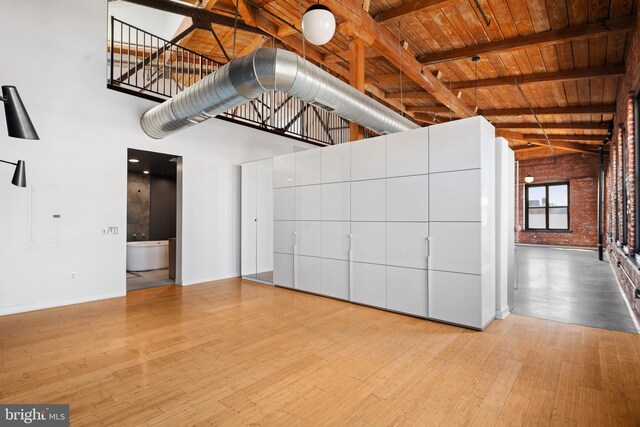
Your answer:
<point x="153" y="218"/>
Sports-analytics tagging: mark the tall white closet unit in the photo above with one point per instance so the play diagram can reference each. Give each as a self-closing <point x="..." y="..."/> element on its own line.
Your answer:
<point x="404" y="222"/>
<point x="256" y="226"/>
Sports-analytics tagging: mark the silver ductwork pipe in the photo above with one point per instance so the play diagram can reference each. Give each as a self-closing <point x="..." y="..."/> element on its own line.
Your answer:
<point x="267" y="69"/>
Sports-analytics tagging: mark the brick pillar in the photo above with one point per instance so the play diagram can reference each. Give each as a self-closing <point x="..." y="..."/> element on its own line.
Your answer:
<point x="619" y="164"/>
<point x="631" y="176"/>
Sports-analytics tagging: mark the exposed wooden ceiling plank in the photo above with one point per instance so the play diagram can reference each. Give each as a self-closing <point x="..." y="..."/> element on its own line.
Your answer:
<point x="558" y="76"/>
<point x="409" y="95"/>
<point x="592" y="109"/>
<point x="246" y="12"/>
<point x="539" y="137"/>
<point x="411" y="7"/>
<point x="542" y="39"/>
<point x="386" y="43"/>
<point x="427" y="109"/>
<point x="588" y="125"/>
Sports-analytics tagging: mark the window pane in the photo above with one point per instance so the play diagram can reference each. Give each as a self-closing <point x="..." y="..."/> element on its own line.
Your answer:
<point x="537" y="197"/>
<point x="537" y="218"/>
<point x="558" y="218"/>
<point x="558" y="195"/>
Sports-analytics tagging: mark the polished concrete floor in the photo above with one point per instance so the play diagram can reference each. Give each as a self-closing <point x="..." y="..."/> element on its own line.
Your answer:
<point x="571" y="286"/>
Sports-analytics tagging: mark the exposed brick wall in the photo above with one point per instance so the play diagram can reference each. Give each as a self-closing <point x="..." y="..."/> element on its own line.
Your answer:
<point x="581" y="172"/>
<point x="624" y="117"/>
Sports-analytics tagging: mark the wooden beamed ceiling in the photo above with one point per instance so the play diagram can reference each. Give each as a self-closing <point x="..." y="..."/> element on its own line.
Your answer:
<point x="567" y="56"/>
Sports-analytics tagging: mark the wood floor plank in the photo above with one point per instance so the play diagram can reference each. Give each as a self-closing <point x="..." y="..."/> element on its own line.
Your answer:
<point x="237" y="353"/>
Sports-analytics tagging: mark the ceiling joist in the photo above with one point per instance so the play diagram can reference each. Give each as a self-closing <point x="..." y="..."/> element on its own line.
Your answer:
<point x="558" y="76"/>
<point x="591" y="109"/>
<point x="546" y="38"/>
<point x="411" y="7"/>
<point x="547" y="126"/>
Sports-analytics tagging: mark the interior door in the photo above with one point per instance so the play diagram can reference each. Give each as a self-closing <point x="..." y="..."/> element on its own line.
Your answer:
<point x="248" y="226"/>
<point x="264" y="223"/>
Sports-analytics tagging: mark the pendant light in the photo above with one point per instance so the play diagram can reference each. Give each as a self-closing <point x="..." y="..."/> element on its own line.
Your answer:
<point x="528" y="179"/>
<point x="18" y="122"/>
<point x="318" y="24"/>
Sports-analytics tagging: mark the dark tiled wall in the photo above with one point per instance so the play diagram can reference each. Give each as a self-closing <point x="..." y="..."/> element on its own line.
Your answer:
<point x="138" y="206"/>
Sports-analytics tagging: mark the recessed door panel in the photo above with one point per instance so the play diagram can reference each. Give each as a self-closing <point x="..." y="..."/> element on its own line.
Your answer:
<point x="447" y="239"/>
<point x="408" y="198"/>
<point x="283" y="236"/>
<point x="309" y="238"/>
<point x="309" y="274"/>
<point x="336" y="163"/>
<point x="369" y="242"/>
<point x="283" y="270"/>
<point x="308" y="203"/>
<point x="335" y="278"/>
<point x="408" y="153"/>
<point x="407" y="244"/>
<point x="455" y="196"/>
<point x="368" y="200"/>
<point x="369" y="284"/>
<point x="249" y="219"/>
<point x="308" y="167"/>
<point x="335" y="239"/>
<point x="284" y="204"/>
<point x="455" y="298"/>
<point x="284" y="171"/>
<point x="407" y="290"/>
<point x="368" y="159"/>
<point x="336" y="201"/>
<point x="455" y="145"/>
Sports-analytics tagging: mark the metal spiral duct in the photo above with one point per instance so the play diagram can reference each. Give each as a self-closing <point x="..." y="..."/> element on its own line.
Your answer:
<point x="246" y="78"/>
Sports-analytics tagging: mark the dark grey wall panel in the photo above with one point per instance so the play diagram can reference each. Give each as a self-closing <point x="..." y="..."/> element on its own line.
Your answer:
<point x="162" y="219"/>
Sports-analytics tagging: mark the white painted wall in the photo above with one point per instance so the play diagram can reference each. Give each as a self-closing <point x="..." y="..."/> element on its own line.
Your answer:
<point x="85" y="130"/>
<point x="156" y="22"/>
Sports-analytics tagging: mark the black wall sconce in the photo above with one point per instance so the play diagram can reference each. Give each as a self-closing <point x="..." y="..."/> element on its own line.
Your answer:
<point x="19" y="125"/>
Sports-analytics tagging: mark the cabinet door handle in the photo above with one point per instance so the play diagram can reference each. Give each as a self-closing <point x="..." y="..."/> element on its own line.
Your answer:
<point x="295" y="238"/>
<point x="427" y="246"/>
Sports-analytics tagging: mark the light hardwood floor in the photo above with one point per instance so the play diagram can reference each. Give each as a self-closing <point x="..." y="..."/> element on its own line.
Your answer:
<point x="237" y="353"/>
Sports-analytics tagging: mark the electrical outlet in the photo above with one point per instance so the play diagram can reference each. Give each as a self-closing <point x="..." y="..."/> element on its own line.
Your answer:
<point x="73" y="274"/>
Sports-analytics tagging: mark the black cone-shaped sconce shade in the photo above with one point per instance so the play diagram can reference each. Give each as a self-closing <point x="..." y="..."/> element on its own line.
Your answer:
<point x="19" y="176"/>
<point x="18" y="122"/>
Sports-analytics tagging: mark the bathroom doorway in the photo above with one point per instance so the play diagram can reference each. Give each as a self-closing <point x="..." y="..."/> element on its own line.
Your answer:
<point x="153" y="212"/>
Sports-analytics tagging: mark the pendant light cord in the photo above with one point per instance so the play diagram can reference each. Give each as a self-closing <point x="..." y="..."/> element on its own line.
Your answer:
<point x="304" y="52"/>
<point x="235" y="32"/>
<point x="553" y="151"/>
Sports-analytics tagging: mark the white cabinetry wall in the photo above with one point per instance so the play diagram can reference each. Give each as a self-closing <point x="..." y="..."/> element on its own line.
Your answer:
<point x="404" y="222"/>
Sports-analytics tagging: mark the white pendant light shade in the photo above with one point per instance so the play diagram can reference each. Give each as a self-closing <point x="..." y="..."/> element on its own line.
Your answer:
<point x="318" y="24"/>
<point x="528" y="179"/>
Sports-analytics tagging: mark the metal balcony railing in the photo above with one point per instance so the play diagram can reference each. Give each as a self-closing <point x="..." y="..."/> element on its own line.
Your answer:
<point x="146" y="65"/>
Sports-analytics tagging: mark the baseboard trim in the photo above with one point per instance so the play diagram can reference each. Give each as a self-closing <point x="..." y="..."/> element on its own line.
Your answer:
<point x="504" y="313"/>
<point x="60" y="303"/>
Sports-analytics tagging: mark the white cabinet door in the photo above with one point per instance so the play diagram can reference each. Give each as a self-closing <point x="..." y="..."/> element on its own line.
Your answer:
<point x="455" y="196"/>
<point x="369" y="284"/>
<point x="283" y="270"/>
<point x="264" y="215"/>
<point x="336" y="201"/>
<point x="407" y="244"/>
<point x="309" y="274"/>
<point x="248" y="229"/>
<point x="369" y="242"/>
<point x="455" y="298"/>
<point x="284" y="204"/>
<point x="368" y="159"/>
<point x="336" y="163"/>
<point x="408" y="153"/>
<point x="335" y="278"/>
<point x="455" y="145"/>
<point x="308" y="167"/>
<point x="408" y="198"/>
<point x="308" y="203"/>
<point x="407" y="290"/>
<point x="447" y="239"/>
<point x="368" y="200"/>
<point x="335" y="239"/>
<point x="309" y="238"/>
<point x="283" y="236"/>
<point x="284" y="171"/>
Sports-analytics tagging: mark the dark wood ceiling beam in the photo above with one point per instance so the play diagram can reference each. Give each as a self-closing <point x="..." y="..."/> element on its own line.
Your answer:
<point x="592" y="109"/>
<point x="427" y="109"/>
<point x="559" y="76"/>
<point x="546" y="38"/>
<point x="539" y="137"/>
<point x="409" y="95"/>
<point x="411" y="7"/>
<point x="202" y="18"/>
<point x="588" y="125"/>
